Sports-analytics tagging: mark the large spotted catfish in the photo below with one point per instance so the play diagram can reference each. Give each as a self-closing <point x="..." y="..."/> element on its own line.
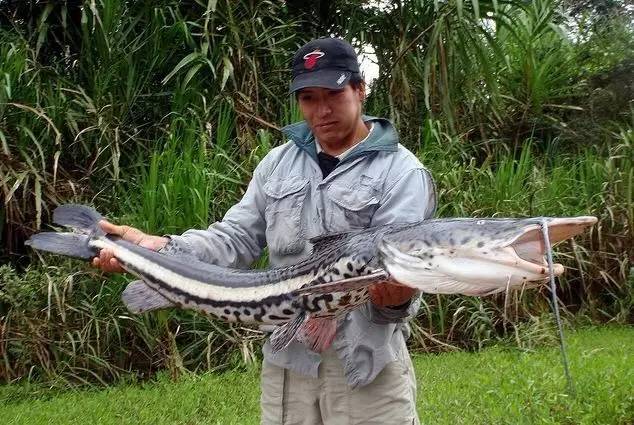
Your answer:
<point x="446" y="256"/>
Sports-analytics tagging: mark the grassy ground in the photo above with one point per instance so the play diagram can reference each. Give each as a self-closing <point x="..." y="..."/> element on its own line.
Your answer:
<point x="497" y="386"/>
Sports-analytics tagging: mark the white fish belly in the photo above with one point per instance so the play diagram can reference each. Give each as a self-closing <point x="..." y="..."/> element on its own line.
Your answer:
<point x="468" y="276"/>
<point x="476" y="270"/>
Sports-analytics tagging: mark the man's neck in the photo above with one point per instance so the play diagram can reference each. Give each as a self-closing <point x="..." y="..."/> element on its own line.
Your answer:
<point x="338" y="147"/>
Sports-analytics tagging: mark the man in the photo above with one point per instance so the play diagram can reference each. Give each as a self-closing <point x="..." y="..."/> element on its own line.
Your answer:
<point x="339" y="171"/>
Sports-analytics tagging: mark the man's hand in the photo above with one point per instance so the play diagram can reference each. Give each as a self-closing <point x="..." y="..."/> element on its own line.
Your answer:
<point x="106" y="260"/>
<point x="390" y="294"/>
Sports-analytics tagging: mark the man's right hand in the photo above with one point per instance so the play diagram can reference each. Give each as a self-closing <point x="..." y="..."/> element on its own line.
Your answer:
<point x="106" y="261"/>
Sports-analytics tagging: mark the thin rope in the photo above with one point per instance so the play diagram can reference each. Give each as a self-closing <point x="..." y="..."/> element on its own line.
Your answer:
<point x="555" y="306"/>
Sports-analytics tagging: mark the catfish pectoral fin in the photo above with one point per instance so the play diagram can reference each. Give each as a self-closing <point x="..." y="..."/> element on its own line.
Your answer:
<point x="283" y="335"/>
<point x="318" y="333"/>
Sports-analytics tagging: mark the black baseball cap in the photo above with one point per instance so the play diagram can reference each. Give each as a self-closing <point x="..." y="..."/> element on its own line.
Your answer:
<point x="324" y="62"/>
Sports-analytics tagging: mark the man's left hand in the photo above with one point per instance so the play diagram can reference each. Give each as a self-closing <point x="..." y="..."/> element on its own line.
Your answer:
<point x="390" y="294"/>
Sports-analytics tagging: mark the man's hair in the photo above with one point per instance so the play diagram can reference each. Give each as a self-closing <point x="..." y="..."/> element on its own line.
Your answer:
<point x="357" y="81"/>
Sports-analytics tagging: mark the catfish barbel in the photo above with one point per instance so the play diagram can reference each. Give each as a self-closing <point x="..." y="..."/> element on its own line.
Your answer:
<point x="446" y="256"/>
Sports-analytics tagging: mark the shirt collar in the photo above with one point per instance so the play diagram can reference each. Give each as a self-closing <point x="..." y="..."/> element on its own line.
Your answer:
<point x="342" y="155"/>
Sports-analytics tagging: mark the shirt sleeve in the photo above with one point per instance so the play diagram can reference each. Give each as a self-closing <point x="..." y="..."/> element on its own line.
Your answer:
<point x="239" y="238"/>
<point x="412" y="198"/>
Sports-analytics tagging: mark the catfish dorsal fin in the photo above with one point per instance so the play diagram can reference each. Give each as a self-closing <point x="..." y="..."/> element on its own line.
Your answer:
<point x="322" y="242"/>
<point x="328" y="237"/>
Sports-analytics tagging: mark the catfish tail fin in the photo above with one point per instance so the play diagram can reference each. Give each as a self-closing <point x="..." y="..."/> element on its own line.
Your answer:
<point x="69" y="244"/>
<point x="81" y="218"/>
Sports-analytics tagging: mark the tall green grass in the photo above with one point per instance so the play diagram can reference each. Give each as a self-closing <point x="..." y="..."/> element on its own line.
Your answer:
<point x="593" y="181"/>
<point x="84" y="101"/>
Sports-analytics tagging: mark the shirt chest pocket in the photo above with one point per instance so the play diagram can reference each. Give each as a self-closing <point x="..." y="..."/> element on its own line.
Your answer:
<point x="350" y="207"/>
<point x="283" y="214"/>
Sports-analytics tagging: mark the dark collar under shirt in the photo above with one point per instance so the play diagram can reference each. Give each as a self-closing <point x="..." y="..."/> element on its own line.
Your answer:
<point x="327" y="163"/>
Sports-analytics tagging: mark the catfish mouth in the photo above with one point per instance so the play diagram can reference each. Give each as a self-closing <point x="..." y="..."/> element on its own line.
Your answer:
<point x="530" y="248"/>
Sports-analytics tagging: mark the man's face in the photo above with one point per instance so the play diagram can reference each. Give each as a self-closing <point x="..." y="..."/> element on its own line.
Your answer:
<point x="332" y="115"/>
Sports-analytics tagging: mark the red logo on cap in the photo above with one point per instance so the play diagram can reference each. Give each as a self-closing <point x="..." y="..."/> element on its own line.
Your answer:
<point x="310" y="59"/>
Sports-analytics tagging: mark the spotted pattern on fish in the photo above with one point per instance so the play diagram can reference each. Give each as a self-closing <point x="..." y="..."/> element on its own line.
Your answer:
<point x="335" y="304"/>
<point x="277" y="309"/>
<point x="281" y="308"/>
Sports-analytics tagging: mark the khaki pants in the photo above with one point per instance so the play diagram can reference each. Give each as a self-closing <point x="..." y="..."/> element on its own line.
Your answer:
<point x="290" y="399"/>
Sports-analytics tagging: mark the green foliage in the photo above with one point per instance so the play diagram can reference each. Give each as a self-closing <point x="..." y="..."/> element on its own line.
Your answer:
<point x="76" y="120"/>
<point x="71" y="329"/>
<point x="47" y="330"/>
<point x="593" y="181"/>
<point x="497" y="72"/>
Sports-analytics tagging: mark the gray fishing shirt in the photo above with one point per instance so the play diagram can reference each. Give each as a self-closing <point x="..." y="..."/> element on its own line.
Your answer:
<point x="288" y="202"/>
